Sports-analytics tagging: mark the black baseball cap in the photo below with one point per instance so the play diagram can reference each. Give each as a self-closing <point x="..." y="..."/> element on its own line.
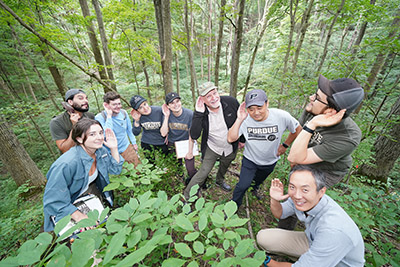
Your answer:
<point x="72" y="92"/>
<point x="171" y="97"/>
<point x="136" y="101"/>
<point x="346" y="93"/>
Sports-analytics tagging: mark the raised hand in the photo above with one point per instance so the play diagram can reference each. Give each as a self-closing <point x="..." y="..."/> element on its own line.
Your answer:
<point x="165" y="110"/>
<point x="329" y="118"/>
<point x="107" y="109"/>
<point x="111" y="140"/>
<point x="276" y="190"/>
<point x="74" y="117"/>
<point x="135" y="115"/>
<point x="200" y="105"/>
<point x="242" y="112"/>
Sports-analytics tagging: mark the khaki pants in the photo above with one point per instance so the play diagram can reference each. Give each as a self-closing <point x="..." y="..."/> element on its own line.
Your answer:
<point x="130" y="155"/>
<point x="283" y="242"/>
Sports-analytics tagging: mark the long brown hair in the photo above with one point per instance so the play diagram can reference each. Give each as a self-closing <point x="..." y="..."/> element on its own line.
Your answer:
<point x="81" y="127"/>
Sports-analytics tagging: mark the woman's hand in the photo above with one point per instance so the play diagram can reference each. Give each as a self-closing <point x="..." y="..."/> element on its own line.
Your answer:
<point x="135" y="115"/>
<point x="165" y="110"/>
<point x="111" y="140"/>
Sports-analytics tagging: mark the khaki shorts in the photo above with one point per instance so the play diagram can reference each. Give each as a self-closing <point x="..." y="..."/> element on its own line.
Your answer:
<point x="130" y="155"/>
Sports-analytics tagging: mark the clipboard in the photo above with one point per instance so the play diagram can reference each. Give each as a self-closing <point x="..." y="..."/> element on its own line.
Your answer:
<point x="182" y="148"/>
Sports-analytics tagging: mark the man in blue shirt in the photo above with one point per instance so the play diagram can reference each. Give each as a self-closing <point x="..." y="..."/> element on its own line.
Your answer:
<point x="115" y="118"/>
<point x="331" y="237"/>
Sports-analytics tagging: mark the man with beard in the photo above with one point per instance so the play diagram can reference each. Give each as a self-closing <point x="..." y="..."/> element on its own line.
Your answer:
<point x="115" y="118"/>
<point x="61" y="125"/>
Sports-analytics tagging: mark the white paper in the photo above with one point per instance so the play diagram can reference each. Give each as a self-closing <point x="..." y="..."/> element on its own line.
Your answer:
<point x="182" y="148"/>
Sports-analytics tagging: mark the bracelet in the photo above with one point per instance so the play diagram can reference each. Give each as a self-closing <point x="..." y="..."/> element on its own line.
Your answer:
<point x="267" y="260"/>
<point x="285" y="145"/>
<point x="305" y="128"/>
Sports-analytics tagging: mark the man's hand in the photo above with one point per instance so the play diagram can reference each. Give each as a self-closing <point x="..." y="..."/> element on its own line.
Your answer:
<point x="165" y="110"/>
<point x="74" y="117"/>
<point x="281" y="150"/>
<point x="276" y="190"/>
<point x="135" y="147"/>
<point x="135" y="115"/>
<point x="111" y="140"/>
<point x="242" y="112"/>
<point x="200" y="105"/>
<point x="329" y="118"/>
<point x="107" y="109"/>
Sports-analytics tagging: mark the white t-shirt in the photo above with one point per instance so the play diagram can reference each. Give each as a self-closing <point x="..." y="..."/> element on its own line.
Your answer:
<point x="264" y="137"/>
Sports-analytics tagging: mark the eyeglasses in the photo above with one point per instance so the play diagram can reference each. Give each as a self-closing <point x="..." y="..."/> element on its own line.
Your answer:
<point x="318" y="98"/>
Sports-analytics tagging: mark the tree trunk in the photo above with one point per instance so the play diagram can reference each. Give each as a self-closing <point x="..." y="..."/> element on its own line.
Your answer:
<point x="210" y="36"/>
<point x="193" y="79"/>
<point x="362" y="30"/>
<point x="94" y="43"/>
<point x="304" y="26"/>
<point x="386" y="148"/>
<point x="237" y="44"/>
<point x="328" y="37"/>
<point x="104" y="42"/>
<point x="15" y="158"/>
<point x="178" y="89"/>
<point x="28" y="81"/>
<point x="219" y="41"/>
<point x="6" y="88"/>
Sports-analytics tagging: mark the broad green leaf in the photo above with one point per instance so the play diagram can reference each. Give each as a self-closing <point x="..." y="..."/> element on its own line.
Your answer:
<point x="57" y="261"/>
<point x="115" y="246"/>
<point x="82" y="250"/>
<point x="203" y="222"/>
<point x="148" y="203"/>
<point x="200" y="203"/>
<point x="230" y="235"/>
<point x="217" y="219"/>
<point x="193" y="264"/>
<point x="145" y="181"/>
<point x="235" y="222"/>
<point x="194" y="190"/>
<point x="226" y="244"/>
<point x="137" y="256"/>
<point x="112" y="186"/>
<point x="227" y="262"/>
<point x="61" y="224"/>
<point x="250" y="262"/>
<point x="133" y="204"/>
<point x="210" y="251"/>
<point x="230" y="208"/>
<point x="142" y="217"/>
<point x="128" y="183"/>
<point x="113" y="227"/>
<point x="120" y="214"/>
<point x="260" y="255"/>
<point x="242" y="231"/>
<point x="192" y="236"/>
<point x="244" y="248"/>
<point x="183" y="249"/>
<point x="173" y="262"/>
<point x="198" y="247"/>
<point x="134" y="238"/>
<point x="218" y="231"/>
<point x="103" y="214"/>
<point x="184" y="223"/>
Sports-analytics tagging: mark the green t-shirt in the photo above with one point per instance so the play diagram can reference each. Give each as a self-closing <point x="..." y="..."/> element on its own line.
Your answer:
<point x="61" y="125"/>
<point x="334" y="145"/>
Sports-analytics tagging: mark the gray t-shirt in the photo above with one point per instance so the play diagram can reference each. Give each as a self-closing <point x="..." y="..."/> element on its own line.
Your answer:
<point x="61" y="125"/>
<point x="334" y="145"/>
<point x="264" y="137"/>
<point x="179" y="126"/>
<point x="151" y="125"/>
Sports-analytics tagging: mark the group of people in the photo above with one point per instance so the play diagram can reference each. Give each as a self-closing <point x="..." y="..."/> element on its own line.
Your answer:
<point x="321" y="141"/>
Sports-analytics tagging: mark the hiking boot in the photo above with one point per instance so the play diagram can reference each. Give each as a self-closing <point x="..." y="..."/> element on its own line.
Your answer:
<point x="224" y="186"/>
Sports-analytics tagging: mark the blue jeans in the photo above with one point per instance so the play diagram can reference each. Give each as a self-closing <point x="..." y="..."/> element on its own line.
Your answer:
<point x="250" y="172"/>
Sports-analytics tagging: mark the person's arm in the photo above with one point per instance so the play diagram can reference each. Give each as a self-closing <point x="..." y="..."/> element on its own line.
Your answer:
<point x="198" y="117"/>
<point x="189" y="155"/>
<point x="289" y="140"/>
<point x="164" y="125"/>
<point x="276" y="194"/>
<point x="274" y="263"/>
<point x="233" y="133"/>
<point x="299" y="152"/>
<point x="64" y="144"/>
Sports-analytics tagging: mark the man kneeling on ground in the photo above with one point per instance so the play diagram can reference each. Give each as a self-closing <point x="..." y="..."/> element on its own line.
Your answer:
<point x="331" y="237"/>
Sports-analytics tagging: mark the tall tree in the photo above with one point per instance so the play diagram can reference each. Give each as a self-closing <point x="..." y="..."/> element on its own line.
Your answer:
<point x="193" y="79"/>
<point x="163" y="17"/>
<point x="94" y="43"/>
<point x="219" y="41"/>
<point x="15" y="158"/>
<point x="237" y="44"/>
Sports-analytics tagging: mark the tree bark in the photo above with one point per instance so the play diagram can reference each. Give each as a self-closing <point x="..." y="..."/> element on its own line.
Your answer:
<point x="210" y="35"/>
<point x="104" y="43"/>
<point x="237" y="44"/>
<point x="219" y="41"/>
<point x="386" y="148"/>
<point x="328" y="37"/>
<point x="193" y="79"/>
<point x="15" y="158"/>
<point x="178" y="89"/>
<point x="94" y="43"/>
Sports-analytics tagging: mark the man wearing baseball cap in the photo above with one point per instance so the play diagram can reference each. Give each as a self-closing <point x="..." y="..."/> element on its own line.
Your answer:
<point x="77" y="106"/>
<point x="213" y="117"/>
<point x="263" y="131"/>
<point x="176" y="127"/>
<point x="329" y="135"/>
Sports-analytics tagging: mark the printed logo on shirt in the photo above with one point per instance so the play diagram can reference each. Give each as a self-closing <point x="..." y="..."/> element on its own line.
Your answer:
<point x="178" y="126"/>
<point x="316" y="138"/>
<point x="151" y="125"/>
<point x="262" y="133"/>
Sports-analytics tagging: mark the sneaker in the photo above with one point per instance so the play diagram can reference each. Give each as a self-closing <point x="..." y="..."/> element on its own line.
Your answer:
<point x="224" y="186"/>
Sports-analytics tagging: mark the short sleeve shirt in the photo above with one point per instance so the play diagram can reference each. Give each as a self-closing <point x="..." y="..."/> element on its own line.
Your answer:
<point x="264" y="137"/>
<point x="178" y="127"/>
<point x="61" y="125"/>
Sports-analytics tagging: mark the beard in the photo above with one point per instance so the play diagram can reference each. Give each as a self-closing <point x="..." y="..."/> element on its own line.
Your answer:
<point x="79" y="107"/>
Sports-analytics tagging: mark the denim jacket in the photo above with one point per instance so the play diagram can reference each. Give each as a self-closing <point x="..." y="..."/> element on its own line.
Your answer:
<point x="68" y="175"/>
